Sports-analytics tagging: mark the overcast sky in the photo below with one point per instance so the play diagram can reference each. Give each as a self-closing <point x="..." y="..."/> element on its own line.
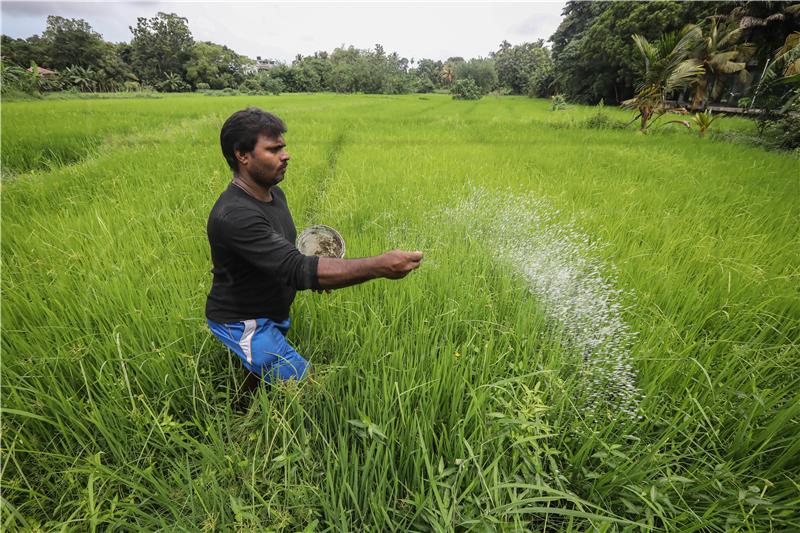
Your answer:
<point x="282" y="30"/>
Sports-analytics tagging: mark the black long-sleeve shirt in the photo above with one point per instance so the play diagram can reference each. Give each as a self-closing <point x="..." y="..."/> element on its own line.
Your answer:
<point x="257" y="268"/>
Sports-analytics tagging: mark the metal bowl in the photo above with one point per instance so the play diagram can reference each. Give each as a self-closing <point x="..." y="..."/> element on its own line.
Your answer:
<point x="321" y="240"/>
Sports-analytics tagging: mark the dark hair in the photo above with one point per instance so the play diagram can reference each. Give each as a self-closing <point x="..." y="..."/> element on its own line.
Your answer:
<point x="241" y="131"/>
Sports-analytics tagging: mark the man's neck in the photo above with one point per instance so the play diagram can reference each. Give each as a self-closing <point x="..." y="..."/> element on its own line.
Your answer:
<point x="252" y="188"/>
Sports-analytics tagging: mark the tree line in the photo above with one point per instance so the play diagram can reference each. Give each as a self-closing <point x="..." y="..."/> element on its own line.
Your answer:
<point x="162" y="55"/>
<point x="591" y="57"/>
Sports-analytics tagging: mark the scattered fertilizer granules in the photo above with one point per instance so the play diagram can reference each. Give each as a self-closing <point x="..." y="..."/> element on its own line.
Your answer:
<point x="575" y="289"/>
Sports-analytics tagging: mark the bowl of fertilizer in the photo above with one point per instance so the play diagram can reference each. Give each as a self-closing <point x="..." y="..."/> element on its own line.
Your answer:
<point x="322" y="241"/>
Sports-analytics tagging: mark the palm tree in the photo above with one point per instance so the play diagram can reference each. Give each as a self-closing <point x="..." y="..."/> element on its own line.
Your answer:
<point x="448" y="73"/>
<point x="718" y="51"/>
<point x="667" y="67"/>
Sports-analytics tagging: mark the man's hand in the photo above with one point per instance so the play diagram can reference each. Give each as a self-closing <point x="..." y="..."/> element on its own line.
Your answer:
<point x="337" y="273"/>
<point x="397" y="263"/>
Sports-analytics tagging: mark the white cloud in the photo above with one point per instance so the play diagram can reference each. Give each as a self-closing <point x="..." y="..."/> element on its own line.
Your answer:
<point x="281" y="31"/>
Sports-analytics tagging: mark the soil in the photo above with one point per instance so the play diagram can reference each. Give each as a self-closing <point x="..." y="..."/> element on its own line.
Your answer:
<point x="320" y="242"/>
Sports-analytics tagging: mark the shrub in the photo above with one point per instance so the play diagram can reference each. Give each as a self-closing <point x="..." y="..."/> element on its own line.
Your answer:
<point x="541" y="81"/>
<point x="601" y="121"/>
<point x="203" y="86"/>
<point x="250" y="86"/>
<point x="559" y="103"/>
<point x="782" y="132"/>
<point x="397" y="84"/>
<point x="466" y="90"/>
<point x="424" y="85"/>
<point x="604" y="122"/>
<point x="271" y="85"/>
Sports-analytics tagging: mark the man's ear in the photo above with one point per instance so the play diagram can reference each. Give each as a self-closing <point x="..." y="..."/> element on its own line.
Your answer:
<point x="241" y="157"/>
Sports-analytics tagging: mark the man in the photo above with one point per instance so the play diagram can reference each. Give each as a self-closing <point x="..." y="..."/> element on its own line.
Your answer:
<point x="257" y="268"/>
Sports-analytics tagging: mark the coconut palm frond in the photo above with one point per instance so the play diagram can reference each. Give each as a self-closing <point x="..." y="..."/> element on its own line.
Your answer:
<point x="731" y="66"/>
<point x="646" y="49"/>
<point x="730" y="36"/>
<point x="788" y="80"/>
<point x="683" y="74"/>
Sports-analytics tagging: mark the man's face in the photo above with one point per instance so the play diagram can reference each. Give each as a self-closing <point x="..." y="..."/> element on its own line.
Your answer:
<point x="267" y="163"/>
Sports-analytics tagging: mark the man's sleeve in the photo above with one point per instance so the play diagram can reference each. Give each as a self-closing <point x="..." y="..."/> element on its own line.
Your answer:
<point x="252" y="237"/>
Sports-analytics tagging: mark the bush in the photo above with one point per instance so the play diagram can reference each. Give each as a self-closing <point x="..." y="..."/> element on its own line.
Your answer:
<point x="250" y="86"/>
<point x="172" y="83"/>
<point x="397" y="84"/>
<point x="559" y="103"/>
<point x="202" y="86"/>
<point x="781" y="133"/>
<point x="424" y="86"/>
<point x="541" y="81"/>
<point x="465" y="90"/>
<point x="601" y="121"/>
<point x="271" y="85"/>
<point x="604" y="122"/>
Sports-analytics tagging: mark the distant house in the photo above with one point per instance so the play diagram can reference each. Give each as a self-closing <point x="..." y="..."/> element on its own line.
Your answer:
<point x="42" y="71"/>
<point x="265" y="64"/>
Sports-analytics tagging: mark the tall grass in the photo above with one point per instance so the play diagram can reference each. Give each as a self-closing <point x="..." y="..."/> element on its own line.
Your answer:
<point x="450" y="400"/>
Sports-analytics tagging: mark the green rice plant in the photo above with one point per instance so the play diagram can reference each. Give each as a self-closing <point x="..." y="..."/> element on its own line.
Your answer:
<point x="453" y="400"/>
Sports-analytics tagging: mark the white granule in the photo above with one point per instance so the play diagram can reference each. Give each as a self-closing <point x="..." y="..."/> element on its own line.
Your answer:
<point x="574" y="287"/>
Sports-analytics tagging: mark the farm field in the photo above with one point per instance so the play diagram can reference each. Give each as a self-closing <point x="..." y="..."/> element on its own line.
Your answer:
<point x="604" y="333"/>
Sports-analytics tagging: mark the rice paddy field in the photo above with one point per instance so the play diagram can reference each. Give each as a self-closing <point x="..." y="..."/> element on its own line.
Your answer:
<point x="604" y="334"/>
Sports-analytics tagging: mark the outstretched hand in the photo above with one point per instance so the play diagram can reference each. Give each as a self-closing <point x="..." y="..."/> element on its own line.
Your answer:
<point x="398" y="263"/>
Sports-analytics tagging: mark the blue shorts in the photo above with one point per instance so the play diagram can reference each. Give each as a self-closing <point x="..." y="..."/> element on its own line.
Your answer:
<point x="261" y="345"/>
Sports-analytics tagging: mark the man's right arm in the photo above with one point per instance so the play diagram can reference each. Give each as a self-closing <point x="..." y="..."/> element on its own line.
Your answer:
<point x="337" y="273"/>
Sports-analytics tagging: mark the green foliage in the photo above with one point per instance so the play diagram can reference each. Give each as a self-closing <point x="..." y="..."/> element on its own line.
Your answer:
<point x="782" y="131"/>
<point x="542" y="81"/>
<point x="720" y="53"/>
<point x="201" y="86"/>
<point x="516" y="64"/>
<point x="251" y="86"/>
<point x="481" y="71"/>
<point x="591" y="48"/>
<point x="216" y="65"/>
<point x="162" y="44"/>
<point x="558" y="102"/>
<point x="428" y="73"/>
<point x="72" y="42"/>
<point x="666" y="68"/>
<point x="593" y="58"/>
<point x="17" y="81"/>
<point x="424" y="85"/>
<point x="21" y="52"/>
<point x="466" y="90"/>
<point x="703" y="121"/>
<point x="602" y="121"/>
<point x="172" y="83"/>
<point x="269" y="83"/>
